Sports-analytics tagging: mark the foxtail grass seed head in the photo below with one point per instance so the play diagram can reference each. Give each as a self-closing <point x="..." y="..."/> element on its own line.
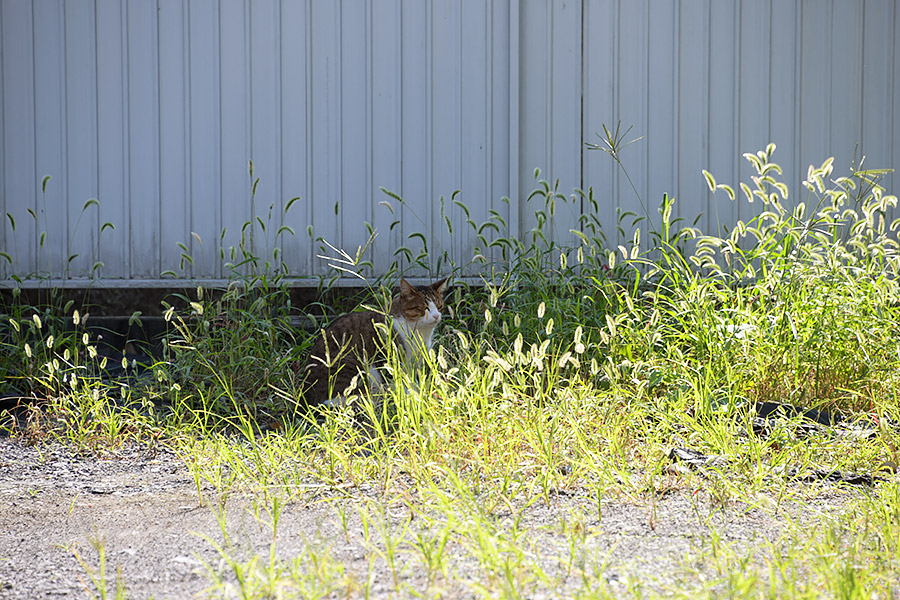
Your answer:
<point x="103" y="363"/>
<point x="168" y="314"/>
<point x="85" y="338"/>
<point x="541" y="308"/>
<point x="27" y="350"/>
<point x="537" y="358"/>
<point x="517" y="321"/>
<point x="463" y="340"/>
<point x="76" y="318"/>
<point x="563" y="261"/>
<point x="487" y="316"/>
<point x="124" y="363"/>
<point x="198" y="308"/>
<point x="15" y="324"/>
<point x="66" y="355"/>
<point x="50" y="341"/>
<point x="37" y="320"/>
<point x="92" y="351"/>
<point x="549" y="328"/>
<point x="199" y="292"/>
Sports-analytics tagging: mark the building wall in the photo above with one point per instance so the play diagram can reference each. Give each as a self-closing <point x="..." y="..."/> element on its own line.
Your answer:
<point x="156" y="110"/>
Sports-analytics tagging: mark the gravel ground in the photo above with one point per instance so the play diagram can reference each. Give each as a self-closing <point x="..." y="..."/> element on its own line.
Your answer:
<point x="145" y="507"/>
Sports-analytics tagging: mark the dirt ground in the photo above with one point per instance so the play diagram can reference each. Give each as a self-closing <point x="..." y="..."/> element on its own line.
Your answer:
<point x="145" y="508"/>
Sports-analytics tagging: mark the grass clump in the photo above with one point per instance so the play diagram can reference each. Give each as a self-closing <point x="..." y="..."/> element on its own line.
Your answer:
<point x="571" y="372"/>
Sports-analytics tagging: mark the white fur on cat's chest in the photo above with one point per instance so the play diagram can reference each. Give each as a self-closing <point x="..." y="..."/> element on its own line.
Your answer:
<point x="417" y="335"/>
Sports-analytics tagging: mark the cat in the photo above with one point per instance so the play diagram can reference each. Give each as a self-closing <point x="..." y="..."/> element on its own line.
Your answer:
<point x="348" y="355"/>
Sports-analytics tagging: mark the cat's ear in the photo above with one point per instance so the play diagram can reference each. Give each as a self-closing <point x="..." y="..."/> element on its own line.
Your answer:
<point x="405" y="288"/>
<point x="439" y="286"/>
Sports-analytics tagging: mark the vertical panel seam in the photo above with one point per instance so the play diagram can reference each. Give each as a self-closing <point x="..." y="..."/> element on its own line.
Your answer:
<point x="277" y="116"/>
<point x="583" y="78"/>
<point x="488" y="182"/>
<point x="370" y="138"/>
<point x="339" y="134"/>
<point x="548" y="93"/>
<point x="251" y="121"/>
<point x="708" y="126"/>
<point x="187" y="52"/>
<point x="706" y="97"/>
<point x="159" y="148"/>
<point x="64" y="142"/>
<point x="513" y="105"/>
<point x="219" y="267"/>
<point x="862" y="82"/>
<point x="126" y="140"/>
<point x="616" y="101"/>
<point x="4" y="245"/>
<point x="429" y="110"/>
<point x="676" y="110"/>
<point x="310" y="99"/>
<point x="97" y="125"/>
<point x="798" y="92"/>
<point x="738" y="37"/>
<point x="893" y="88"/>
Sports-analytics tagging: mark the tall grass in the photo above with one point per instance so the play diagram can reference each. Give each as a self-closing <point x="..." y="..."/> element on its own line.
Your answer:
<point x="572" y="370"/>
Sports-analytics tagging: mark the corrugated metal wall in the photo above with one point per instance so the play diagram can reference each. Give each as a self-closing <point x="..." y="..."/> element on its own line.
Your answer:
<point x="156" y="108"/>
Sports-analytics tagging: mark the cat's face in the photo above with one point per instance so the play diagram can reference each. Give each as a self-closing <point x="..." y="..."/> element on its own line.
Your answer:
<point x="421" y="306"/>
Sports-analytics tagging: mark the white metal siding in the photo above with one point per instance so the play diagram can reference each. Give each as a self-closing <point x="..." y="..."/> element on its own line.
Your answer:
<point x="156" y="109"/>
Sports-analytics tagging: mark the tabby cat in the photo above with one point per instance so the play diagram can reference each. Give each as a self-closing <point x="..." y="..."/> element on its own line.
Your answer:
<point x="347" y="355"/>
